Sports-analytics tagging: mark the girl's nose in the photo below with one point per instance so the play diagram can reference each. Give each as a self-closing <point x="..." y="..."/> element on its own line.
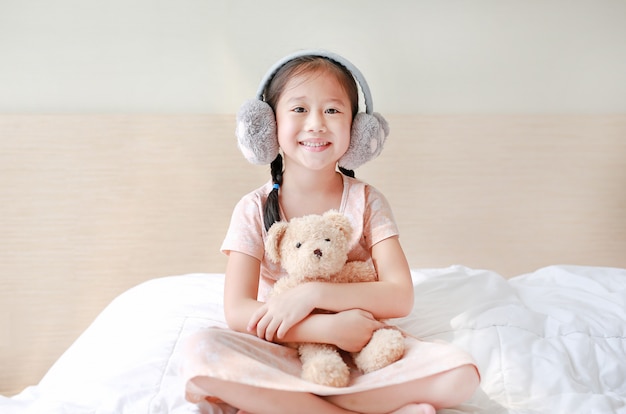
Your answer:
<point x="315" y="122"/>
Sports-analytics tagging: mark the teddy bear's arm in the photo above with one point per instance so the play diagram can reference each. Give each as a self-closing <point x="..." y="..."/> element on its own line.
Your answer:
<point x="356" y="271"/>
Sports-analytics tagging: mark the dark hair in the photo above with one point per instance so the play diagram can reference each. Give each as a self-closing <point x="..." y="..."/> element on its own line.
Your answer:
<point x="298" y="66"/>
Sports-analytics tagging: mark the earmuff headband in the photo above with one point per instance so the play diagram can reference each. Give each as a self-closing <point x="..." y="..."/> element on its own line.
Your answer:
<point x="356" y="73"/>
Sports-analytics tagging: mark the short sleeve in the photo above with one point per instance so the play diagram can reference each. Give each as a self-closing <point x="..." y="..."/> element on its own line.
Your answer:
<point x="379" y="222"/>
<point x="370" y="215"/>
<point x="245" y="232"/>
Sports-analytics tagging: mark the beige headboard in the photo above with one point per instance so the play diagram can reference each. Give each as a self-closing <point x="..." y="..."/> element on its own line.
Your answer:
<point x="91" y="205"/>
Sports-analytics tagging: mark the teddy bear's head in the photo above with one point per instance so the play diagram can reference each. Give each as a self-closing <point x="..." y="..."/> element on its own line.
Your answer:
<point x="310" y="246"/>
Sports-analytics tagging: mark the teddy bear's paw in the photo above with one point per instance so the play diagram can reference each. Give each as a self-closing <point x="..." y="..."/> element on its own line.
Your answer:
<point x="325" y="373"/>
<point x="386" y="347"/>
<point x="325" y="367"/>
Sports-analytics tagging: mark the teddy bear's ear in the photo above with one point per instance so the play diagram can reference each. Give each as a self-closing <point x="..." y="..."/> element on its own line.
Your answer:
<point x="340" y="222"/>
<point x="274" y="236"/>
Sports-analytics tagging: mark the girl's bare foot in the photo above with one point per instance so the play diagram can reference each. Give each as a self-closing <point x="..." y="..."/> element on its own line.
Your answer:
<point x="416" y="409"/>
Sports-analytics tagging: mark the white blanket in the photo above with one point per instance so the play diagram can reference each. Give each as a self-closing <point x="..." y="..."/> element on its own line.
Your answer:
<point x="552" y="341"/>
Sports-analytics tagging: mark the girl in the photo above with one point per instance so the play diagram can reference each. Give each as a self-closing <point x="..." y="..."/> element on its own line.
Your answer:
<point x="309" y="103"/>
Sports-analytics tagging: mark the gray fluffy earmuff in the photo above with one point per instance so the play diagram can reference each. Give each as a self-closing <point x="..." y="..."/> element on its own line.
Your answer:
<point x="256" y="123"/>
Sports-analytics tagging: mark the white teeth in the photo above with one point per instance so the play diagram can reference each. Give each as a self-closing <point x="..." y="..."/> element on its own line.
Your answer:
<point x="314" y="144"/>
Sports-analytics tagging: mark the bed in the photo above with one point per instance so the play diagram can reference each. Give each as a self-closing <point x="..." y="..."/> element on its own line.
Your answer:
<point x="514" y="226"/>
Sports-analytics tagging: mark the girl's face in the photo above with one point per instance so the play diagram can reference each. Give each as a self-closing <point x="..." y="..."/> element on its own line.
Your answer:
<point x="314" y="118"/>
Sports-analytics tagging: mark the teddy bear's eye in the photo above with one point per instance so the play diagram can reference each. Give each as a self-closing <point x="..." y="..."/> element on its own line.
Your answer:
<point x="327" y="240"/>
<point x="298" y="245"/>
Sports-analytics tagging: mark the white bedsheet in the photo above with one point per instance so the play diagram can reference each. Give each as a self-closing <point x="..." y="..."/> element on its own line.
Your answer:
<point x="552" y="341"/>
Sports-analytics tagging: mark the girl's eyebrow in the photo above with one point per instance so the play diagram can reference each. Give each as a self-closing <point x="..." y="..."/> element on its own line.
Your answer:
<point x="296" y="98"/>
<point x="336" y="101"/>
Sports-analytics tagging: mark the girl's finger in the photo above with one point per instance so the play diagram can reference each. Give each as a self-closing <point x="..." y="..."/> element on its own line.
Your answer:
<point x="261" y="327"/>
<point x="282" y="331"/>
<point x="284" y="327"/>
<point x="255" y="318"/>
<point x="271" y="329"/>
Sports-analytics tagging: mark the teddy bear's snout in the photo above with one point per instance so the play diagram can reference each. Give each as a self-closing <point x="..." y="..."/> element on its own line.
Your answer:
<point x="318" y="253"/>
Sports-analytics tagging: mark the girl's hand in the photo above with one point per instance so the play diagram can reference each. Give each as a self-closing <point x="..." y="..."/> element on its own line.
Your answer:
<point x="280" y="313"/>
<point x="352" y="329"/>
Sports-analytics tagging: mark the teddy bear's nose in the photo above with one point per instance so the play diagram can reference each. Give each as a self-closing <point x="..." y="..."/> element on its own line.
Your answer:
<point x="317" y="252"/>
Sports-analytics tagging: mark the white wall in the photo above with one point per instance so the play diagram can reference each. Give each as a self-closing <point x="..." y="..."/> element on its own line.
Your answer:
<point x="445" y="56"/>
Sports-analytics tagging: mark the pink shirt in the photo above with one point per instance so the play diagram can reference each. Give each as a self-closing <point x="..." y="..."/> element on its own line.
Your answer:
<point x="367" y="209"/>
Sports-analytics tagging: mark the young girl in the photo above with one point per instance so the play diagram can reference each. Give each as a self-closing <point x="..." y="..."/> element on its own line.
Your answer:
<point x="307" y="108"/>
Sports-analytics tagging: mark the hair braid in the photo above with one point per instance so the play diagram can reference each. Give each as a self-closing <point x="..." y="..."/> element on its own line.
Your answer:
<point x="345" y="171"/>
<point x="271" y="209"/>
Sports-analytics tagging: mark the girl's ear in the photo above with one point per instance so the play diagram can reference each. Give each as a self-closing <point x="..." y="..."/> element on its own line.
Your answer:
<point x="256" y="132"/>
<point x="274" y="237"/>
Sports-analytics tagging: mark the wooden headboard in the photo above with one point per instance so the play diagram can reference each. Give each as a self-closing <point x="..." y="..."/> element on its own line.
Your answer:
<point x="91" y="205"/>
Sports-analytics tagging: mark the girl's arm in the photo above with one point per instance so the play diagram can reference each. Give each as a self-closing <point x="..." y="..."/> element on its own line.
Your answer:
<point x="240" y="289"/>
<point x="348" y="330"/>
<point x="389" y="297"/>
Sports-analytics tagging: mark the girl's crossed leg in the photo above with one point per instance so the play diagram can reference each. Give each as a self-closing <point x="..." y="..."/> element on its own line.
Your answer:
<point x="420" y="396"/>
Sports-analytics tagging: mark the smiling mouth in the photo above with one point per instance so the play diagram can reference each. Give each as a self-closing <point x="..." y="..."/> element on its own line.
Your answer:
<point x="314" y="144"/>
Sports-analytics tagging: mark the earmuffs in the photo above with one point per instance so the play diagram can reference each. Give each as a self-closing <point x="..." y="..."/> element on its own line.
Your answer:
<point x="256" y="122"/>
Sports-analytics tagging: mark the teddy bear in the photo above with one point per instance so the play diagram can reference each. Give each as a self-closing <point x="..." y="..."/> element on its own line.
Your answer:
<point x="315" y="248"/>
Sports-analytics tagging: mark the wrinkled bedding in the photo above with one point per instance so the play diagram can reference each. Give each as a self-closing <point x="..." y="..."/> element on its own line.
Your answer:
<point x="551" y="341"/>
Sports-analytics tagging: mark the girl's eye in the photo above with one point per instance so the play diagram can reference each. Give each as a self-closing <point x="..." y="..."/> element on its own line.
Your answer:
<point x="298" y="245"/>
<point x="332" y="111"/>
<point x="299" y="109"/>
